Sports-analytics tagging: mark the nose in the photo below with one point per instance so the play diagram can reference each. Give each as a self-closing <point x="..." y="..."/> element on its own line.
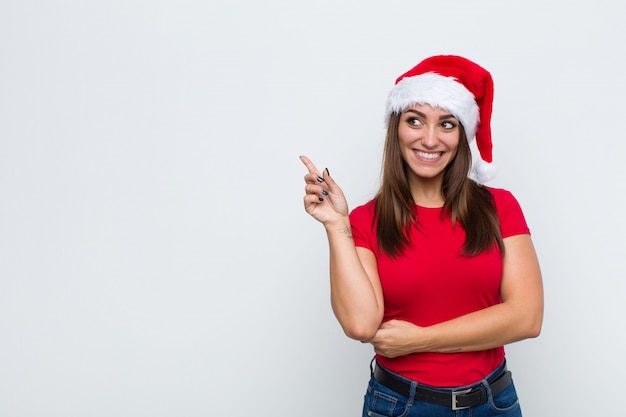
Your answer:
<point x="430" y="137"/>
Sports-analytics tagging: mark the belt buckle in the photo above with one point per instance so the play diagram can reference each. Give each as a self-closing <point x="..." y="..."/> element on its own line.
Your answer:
<point x="454" y="399"/>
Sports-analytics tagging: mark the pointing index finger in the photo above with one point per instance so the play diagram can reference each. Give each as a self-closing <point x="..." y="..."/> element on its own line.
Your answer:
<point x="307" y="162"/>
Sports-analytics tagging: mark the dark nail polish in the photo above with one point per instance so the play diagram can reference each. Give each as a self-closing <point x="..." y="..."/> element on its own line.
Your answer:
<point x="321" y="199"/>
<point x="327" y="173"/>
<point x="320" y="179"/>
<point x="324" y="192"/>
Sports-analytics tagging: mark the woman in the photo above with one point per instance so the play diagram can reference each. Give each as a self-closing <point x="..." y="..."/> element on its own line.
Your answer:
<point x="437" y="272"/>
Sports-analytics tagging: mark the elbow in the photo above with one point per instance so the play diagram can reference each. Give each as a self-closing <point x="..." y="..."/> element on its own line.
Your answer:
<point x="359" y="325"/>
<point x="360" y="333"/>
<point x="532" y="329"/>
<point x="530" y="332"/>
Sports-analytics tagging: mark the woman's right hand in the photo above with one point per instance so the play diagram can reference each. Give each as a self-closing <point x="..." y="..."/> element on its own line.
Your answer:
<point x="324" y="199"/>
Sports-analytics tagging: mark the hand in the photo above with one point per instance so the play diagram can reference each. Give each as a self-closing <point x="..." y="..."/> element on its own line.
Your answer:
<point x="396" y="338"/>
<point x="324" y="200"/>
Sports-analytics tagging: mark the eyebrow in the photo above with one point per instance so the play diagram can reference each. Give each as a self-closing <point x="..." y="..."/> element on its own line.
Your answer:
<point x="419" y="113"/>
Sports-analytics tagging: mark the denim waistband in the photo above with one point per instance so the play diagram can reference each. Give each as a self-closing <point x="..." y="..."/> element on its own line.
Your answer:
<point x="489" y="378"/>
<point x="457" y="398"/>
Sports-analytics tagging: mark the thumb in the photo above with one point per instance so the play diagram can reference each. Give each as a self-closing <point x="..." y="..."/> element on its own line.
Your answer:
<point x="386" y="325"/>
<point x="330" y="181"/>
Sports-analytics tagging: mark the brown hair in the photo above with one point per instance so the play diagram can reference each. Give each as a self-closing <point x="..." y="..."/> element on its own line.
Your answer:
<point x="466" y="201"/>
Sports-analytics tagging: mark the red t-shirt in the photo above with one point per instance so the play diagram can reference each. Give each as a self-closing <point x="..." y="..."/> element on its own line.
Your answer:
<point x="432" y="283"/>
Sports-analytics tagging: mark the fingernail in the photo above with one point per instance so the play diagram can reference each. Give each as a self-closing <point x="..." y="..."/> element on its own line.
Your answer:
<point x="320" y="179"/>
<point x="321" y="199"/>
<point x="327" y="173"/>
<point x="324" y="192"/>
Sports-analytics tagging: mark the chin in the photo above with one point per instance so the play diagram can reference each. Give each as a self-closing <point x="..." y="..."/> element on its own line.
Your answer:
<point x="428" y="174"/>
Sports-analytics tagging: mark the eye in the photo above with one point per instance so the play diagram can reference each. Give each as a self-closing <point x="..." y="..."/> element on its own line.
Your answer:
<point x="414" y="121"/>
<point x="448" y="124"/>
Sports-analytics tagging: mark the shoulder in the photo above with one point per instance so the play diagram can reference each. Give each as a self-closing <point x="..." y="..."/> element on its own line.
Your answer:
<point x="364" y="211"/>
<point x="502" y="198"/>
<point x="363" y="227"/>
<point x="509" y="211"/>
<point x="500" y="194"/>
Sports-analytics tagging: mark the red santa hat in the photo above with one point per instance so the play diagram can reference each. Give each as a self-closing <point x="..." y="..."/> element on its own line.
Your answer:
<point x="459" y="86"/>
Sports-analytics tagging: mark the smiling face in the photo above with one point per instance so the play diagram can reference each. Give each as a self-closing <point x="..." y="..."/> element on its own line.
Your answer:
<point x="429" y="139"/>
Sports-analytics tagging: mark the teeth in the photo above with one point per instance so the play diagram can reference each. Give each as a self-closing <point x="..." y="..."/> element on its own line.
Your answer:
<point x="429" y="155"/>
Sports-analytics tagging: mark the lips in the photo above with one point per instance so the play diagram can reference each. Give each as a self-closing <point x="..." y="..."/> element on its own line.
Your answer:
<point x="429" y="155"/>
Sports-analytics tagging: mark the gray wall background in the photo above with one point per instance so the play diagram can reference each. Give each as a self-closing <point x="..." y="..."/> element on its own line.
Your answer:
<point x="155" y="258"/>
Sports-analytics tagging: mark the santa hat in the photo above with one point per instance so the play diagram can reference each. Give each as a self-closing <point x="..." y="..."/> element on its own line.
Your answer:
<point x="459" y="86"/>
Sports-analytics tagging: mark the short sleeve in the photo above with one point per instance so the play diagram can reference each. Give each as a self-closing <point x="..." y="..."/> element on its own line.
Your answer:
<point x="512" y="220"/>
<point x="363" y="231"/>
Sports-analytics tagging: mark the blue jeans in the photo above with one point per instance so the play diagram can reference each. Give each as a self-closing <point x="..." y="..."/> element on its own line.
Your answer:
<point x="380" y="401"/>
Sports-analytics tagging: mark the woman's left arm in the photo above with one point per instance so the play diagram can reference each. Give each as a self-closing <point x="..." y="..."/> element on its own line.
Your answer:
<point x="518" y="317"/>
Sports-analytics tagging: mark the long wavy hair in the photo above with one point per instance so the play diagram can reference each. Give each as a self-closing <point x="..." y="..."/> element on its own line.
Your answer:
<point x="466" y="201"/>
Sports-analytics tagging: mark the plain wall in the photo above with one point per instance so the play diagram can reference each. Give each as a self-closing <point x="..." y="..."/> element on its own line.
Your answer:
<point x="155" y="257"/>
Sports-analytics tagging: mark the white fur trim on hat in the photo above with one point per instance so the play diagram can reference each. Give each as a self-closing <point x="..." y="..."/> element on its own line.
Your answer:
<point x="482" y="171"/>
<point x="438" y="91"/>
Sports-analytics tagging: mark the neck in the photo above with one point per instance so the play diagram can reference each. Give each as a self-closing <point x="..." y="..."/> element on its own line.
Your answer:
<point x="427" y="192"/>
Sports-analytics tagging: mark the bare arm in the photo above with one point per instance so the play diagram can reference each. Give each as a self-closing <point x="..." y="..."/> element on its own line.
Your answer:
<point x="356" y="294"/>
<point x="518" y="317"/>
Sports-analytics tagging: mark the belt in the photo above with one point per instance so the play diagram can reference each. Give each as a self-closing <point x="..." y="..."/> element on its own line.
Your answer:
<point x="456" y="400"/>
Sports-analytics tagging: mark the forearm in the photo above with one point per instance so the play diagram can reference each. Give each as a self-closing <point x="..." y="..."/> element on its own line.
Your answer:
<point x="356" y="295"/>
<point x="485" y="329"/>
<point x="355" y="298"/>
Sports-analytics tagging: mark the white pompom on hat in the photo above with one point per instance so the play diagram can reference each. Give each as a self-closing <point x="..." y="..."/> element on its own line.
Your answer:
<point x="459" y="86"/>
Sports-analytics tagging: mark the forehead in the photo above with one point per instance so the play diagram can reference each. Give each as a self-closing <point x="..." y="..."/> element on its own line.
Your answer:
<point x="428" y="109"/>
